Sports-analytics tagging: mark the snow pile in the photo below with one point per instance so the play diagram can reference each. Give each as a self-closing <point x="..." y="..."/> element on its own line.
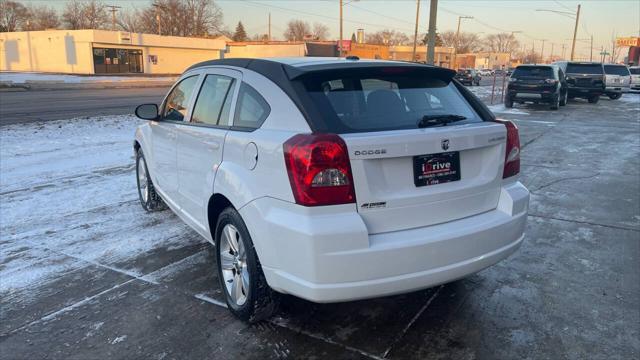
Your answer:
<point x="21" y="78"/>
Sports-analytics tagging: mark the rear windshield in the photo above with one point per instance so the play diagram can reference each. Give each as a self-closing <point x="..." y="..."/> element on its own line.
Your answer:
<point x="593" y="69"/>
<point x="635" y="71"/>
<point x="616" y="70"/>
<point x="543" y="72"/>
<point x="376" y="102"/>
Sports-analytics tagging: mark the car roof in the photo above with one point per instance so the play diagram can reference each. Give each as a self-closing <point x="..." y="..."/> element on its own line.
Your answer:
<point x="537" y="65"/>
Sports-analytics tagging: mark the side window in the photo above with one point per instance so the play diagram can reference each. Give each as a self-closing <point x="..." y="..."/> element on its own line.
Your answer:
<point x="251" y="110"/>
<point x="213" y="94"/>
<point x="175" y="107"/>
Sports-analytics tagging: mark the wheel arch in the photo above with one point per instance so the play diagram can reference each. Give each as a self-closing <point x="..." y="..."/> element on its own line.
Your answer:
<point x="217" y="203"/>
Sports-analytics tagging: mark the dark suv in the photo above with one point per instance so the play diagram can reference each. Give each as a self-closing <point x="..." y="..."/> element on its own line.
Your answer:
<point x="468" y="77"/>
<point x="537" y="84"/>
<point x="584" y="79"/>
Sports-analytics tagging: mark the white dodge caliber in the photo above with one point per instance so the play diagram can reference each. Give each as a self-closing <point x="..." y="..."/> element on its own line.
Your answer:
<point x="332" y="179"/>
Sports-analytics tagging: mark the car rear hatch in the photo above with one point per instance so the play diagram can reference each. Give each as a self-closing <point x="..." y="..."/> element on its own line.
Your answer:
<point x="407" y="175"/>
<point x="586" y="75"/>
<point x="533" y="79"/>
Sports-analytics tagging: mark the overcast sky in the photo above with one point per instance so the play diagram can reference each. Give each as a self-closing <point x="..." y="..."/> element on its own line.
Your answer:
<point x="600" y="18"/>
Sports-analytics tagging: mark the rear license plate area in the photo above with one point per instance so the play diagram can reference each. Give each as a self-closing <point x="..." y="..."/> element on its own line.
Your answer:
<point x="432" y="169"/>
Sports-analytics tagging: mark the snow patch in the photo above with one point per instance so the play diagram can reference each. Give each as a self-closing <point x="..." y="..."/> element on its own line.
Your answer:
<point x="21" y="78"/>
<point x="119" y="339"/>
<point x="499" y="108"/>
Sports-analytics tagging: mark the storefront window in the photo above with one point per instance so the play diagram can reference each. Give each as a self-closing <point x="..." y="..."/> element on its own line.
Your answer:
<point x="110" y="60"/>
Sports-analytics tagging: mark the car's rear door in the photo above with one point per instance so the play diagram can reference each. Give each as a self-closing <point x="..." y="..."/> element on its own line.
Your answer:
<point x="164" y="137"/>
<point x="201" y="140"/>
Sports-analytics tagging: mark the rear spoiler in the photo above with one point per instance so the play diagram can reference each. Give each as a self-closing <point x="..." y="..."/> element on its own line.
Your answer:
<point x="390" y="68"/>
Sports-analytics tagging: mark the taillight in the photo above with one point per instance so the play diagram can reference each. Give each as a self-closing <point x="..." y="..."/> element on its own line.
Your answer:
<point x="551" y="81"/>
<point x="512" y="153"/>
<point x="319" y="169"/>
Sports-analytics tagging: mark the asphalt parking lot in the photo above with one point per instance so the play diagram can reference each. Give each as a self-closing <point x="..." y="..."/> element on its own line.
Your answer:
<point x="86" y="274"/>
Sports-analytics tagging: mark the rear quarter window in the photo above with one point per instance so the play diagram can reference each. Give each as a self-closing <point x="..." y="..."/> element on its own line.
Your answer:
<point x="251" y="110"/>
<point x="616" y="70"/>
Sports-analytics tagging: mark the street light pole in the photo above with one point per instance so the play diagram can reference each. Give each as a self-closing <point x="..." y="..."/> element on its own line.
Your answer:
<point x="415" y="33"/>
<point x="575" y="28"/>
<point x="431" y="47"/>
<point x="455" y="45"/>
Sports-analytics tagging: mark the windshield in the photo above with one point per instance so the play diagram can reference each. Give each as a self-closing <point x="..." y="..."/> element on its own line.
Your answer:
<point x="377" y="102"/>
<point x="635" y="71"/>
<point x="592" y="69"/>
<point x="543" y="72"/>
<point x="616" y="70"/>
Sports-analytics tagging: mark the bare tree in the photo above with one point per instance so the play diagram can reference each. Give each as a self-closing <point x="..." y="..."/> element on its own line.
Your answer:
<point x="41" y="18"/>
<point x="130" y="21"/>
<point x="89" y="14"/>
<point x="296" y="30"/>
<point x="466" y="42"/>
<point x="502" y="42"/>
<point x="12" y="15"/>
<point x="320" y="31"/>
<point x="183" y="18"/>
<point x="388" y="37"/>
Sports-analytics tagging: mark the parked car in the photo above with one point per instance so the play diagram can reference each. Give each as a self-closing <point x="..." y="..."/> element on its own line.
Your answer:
<point x="635" y="78"/>
<point x="617" y="80"/>
<point x="537" y="84"/>
<point x="468" y="77"/>
<point x="332" y="179"/>
<point x="499" y="72"/>
<point x="486" y="72"/>
<point x="584" y="79"/>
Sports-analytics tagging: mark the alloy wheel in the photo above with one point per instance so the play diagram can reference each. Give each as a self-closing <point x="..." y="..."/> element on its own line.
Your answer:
<point x="233" y="262"/>
<point x="142" y="180"/>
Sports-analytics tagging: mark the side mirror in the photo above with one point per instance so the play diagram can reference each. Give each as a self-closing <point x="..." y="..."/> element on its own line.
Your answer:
<point x="147" y="111"/>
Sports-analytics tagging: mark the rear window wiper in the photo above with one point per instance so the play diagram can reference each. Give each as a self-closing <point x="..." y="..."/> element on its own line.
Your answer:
<point x="435" y="120"/>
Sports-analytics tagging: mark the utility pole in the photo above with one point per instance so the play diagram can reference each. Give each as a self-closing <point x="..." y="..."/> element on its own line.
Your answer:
<point x="575" y="33"/>
<point x="340" y="39"/>
<point x="551" y="56"/>
<point x="431" y="42"/>
<point x="415" y="33"/>
<point x="269" y="36"/>
<point x="113" y="9"/>
<point x="455" y="48"/>
<point x="542" y="51"/>
<point x="563" y="52"/>
<point x="591" y="57"/>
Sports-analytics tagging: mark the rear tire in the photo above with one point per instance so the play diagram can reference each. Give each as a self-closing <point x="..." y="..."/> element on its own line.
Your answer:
<point x="593" y="99"/>
<point x="563" y="102"/>
<point x="149" y="198"/>
<point x="508" y="102"/>
<point x="247" y="293"/>
<point x="555" y="104"/>
<point x="615" y="96"/>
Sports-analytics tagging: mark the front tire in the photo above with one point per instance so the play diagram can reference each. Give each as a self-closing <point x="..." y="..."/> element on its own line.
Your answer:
<point x="594" y="99"/>
<point x="615" y="96"/>
<point x="247" y="293"/>
<point x="149" y="198"/>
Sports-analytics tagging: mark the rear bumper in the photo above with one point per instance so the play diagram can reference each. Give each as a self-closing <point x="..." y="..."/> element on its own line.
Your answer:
<point x="326" y="254"/>
<point x="577" y="91"/>
<point x="532" y="95"/>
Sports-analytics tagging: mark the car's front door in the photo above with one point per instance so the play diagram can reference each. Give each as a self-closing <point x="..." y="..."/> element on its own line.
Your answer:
<point x="201" y="142"/>
<point x="165" y="138"/>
